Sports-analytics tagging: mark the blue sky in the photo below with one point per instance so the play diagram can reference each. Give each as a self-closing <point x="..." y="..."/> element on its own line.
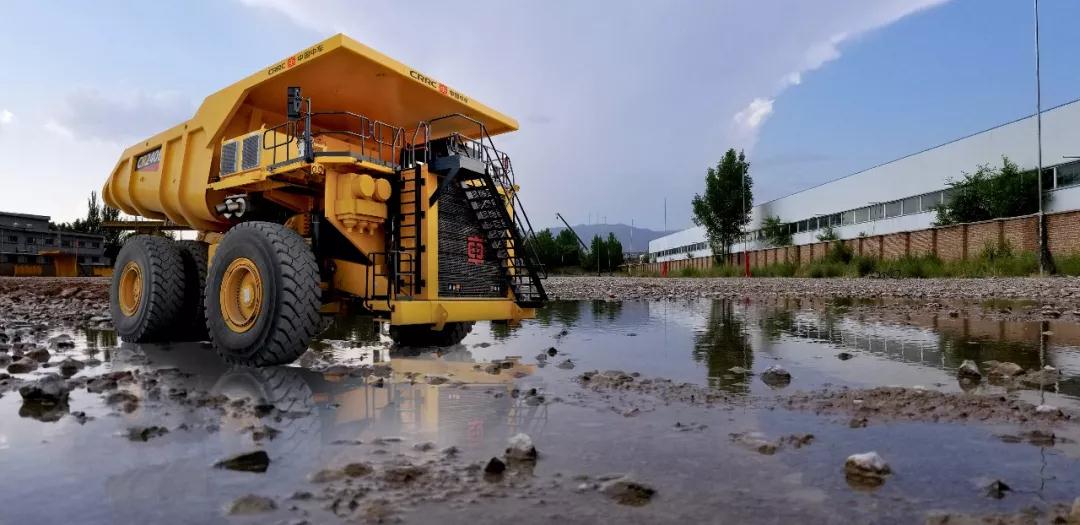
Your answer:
<point x="620" y="107"/>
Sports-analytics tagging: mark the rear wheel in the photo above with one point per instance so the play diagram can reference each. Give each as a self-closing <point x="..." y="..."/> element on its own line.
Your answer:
<point x="147" y="290"/>
<point x="192" y="326"/>
<point x="423" y="334"/>
<point x="262" y="295"/>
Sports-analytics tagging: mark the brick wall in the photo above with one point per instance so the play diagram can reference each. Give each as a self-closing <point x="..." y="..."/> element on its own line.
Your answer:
<point x="948" y="243"/>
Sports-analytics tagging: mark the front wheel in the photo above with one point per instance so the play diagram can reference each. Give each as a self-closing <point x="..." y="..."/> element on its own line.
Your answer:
<point x="262" y="295"/>
<point x="147" y="291"/>
<point x="424" y="335"/>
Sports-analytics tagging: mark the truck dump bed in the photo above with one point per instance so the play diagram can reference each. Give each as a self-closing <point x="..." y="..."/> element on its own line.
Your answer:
<point x="167" y="176"/>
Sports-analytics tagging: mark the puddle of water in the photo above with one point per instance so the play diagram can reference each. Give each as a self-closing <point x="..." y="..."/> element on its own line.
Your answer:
<point x="55" y="470"/>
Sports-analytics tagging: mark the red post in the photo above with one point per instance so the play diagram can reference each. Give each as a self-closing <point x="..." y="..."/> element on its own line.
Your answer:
<point x="746" y="259"/>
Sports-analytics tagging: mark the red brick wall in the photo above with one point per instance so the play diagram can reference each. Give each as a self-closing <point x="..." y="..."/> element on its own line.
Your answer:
<point x="1063" y="233"/>
<point x="983" y="235"/>
<point x="1022" y="234"/>
<point x="922" y="243"/>
<point x="895" y="245"/>
<point x="950" y="243"/>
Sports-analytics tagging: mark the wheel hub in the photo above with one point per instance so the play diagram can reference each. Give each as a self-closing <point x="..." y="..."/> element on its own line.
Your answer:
<point x="130" y="289"/>
<point x="240" y="295"/>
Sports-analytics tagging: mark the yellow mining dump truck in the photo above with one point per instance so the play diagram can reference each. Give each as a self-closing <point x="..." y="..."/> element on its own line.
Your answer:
<point x="336" y="179"/>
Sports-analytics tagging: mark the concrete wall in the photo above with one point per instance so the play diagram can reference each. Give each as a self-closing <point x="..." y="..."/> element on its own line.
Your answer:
<point x="948" y="243"/>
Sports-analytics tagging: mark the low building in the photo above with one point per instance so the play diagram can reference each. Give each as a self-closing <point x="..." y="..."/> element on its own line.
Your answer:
<point x="900" y="195"/>
<point x="28" y="246"/>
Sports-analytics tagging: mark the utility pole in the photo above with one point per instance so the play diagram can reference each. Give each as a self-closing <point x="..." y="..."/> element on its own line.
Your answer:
<point x="1045" y="264"/>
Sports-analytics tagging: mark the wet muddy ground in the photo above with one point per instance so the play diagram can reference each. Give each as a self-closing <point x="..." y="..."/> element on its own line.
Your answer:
<point x="746" y="409"/>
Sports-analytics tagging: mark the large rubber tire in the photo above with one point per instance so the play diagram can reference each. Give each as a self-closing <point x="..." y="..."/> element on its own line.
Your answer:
<point x="160" y="289"/>
<point x="191" y="325"/>
<point x="422" y="335"/>
<point x="288" y="313"/>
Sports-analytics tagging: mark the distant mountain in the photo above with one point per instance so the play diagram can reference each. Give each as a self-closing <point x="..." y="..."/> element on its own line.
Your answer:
<point x="641" y="236"/>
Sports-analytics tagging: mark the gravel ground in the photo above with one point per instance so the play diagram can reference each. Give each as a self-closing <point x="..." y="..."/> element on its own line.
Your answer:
<point x="1055" y="290"/>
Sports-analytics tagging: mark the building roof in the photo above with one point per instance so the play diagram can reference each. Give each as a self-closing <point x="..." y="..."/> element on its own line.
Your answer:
<point x="25" y="216"/>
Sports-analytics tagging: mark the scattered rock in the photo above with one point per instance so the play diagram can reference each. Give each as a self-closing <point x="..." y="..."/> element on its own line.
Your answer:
<point x="776" y="376"/>
<point x="22" y="365"/>
<point x="628" y="492"/>
<point x="1002" y="369"/>
<point x="49" y="390"/>
<point x="997" y="489"/>
<point x="403" y="475"/>
<point x="39" y="354"/>
<point x="146" y="433"/>
<point x="251" y="504"/>
<point x="867" y="469"/>
<point x="520" y="448"/>
<point x="326" y="476"/>
<point x="357" y="470"/>
<point x="844" y="356"/>
<point x="969" y="371"/>
<point x="127" y="401"/>
<point x="566" y="364"/>
<point x="739" y="370"/>
<point x="552" y="351"/>
<point x="256" y="461"/>
<point x="495" y="466"/>
<point x="69" y="367"/>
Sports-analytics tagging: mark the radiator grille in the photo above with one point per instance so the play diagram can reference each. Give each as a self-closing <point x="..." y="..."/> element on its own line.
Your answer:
<point x="252" y="147"/>
<point x="467" y="263"/>
<point x="228" y="158"/>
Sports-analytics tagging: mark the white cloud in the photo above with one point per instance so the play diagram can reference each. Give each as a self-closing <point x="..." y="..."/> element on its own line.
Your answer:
<point x="119" y="116"/>
<point x="755" y="113"/>
<point x="58" y="129"/>
<point x="6" y="117"/>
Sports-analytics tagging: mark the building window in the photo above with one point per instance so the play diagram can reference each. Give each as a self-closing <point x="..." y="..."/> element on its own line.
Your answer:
<point x="892" y="209"/>
<point x="82" y="244"/>
<point x="862" y="215"/>
<point x="65" y="244"/>
<point x="1068" y="175"/>
<point x="848" y="218"/>
<point x="911" y="205"/>
<point x="1048" y="178"/>
<point x="874" y="212"/>
<point x="930" y="201"/>
<point x="95" y="244"/>
<point x="13" y="238"/>
<point x="30" y="240"/>
<point x="94" y="259"/>
<point x="21" y="259"/>
<point x="49" y="241"/>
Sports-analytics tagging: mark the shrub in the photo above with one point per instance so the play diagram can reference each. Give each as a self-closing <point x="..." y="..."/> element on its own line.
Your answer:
<point x="839" y="252"/>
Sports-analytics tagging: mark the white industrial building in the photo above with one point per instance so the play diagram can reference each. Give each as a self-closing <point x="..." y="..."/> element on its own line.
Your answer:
<point x="900" y="195"/>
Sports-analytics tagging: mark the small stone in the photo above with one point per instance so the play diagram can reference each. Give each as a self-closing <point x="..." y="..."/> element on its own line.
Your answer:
<point x="251" y="504"/>
<point x="403" y="475"/>
<point x="146" y="433"/>
<point x="969" y="371"/>
<point x="844" y="356"/>
<point x="69" y="367"/>
<point x="999" y="369"/>
<point x="520" y="448"/>
<point x="566" y="364"/>
<point x="776" y="376"/>
<point x="424" y="447"/>
<point x="739" y="370"/>
<point x="628" y="492"/>
<point x="997" y="489"/>
<point x="866" y="469"/>
<point x="39" y="354"/>
<point x="50" y="390"/>
<point x="22" y="365"/>
<point x="128" y="402"/>
<point x="326" y="476"/>
<point x="494" y="466"/>
<point x="356" y="470"/>
<point x="256" y="461"/>
<point x="552" y="351"/>
<point x="1047" y="409"/>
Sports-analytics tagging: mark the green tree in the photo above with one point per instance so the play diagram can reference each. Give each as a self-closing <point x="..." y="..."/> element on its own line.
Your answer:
<point x="990" y="193"/>
<point x="614" y="252"/>
<point x="569" y="249"/>
<point x="96" y="215"/>
<point x="594" y="260"/>
<point x="724" y="208"/>
<point x="777" y="233"/>
<point x="828" y="234"/>
<point x="546" y="249"/>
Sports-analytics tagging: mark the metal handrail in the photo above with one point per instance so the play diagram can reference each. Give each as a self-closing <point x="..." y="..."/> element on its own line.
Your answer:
<point x="370" y="134"/>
